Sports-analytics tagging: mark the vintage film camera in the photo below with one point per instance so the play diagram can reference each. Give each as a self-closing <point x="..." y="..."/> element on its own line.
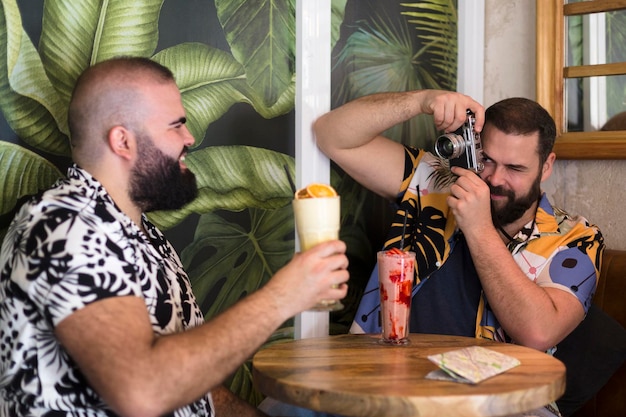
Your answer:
<point x="462" y="147"/>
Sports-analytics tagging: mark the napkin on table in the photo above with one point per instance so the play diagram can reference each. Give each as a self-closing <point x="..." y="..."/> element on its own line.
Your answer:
<point x="470" y="365"/>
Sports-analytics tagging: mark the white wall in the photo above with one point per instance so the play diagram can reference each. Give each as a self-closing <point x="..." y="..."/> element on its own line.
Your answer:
<point x="594" y="189"/>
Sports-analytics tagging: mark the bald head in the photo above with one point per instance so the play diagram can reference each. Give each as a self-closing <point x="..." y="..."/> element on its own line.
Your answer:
<point x="110" y="94"/>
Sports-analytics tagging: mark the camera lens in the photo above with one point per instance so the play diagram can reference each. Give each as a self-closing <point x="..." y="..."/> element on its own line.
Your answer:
<point x="446" y="148"/>
<point x="449" y="146"/>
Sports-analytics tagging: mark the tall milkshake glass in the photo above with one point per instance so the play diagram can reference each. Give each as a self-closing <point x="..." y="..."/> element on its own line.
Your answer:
<point x="317" y="216"/>
<point x="395" y="280"/>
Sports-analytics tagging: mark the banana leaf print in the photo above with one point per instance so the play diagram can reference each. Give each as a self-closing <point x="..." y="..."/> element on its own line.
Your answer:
<point x="211" y="81"/>
<point x="28" y="100"/>
<point x="77" y="34"/>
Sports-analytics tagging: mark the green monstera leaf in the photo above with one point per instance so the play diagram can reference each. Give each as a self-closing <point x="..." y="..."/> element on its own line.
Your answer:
<point x="226" y="261"/>
<point x="234" y="178"/>
<point x="234" y="254"/>
<point x="211" y="81"/>
<point x="242" y="384"/>
<point x="25" y="173"/>
<point x="77" y="34"/>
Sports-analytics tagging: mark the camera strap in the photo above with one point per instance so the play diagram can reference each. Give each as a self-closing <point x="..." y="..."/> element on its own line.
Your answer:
<point x="501" y="230"/>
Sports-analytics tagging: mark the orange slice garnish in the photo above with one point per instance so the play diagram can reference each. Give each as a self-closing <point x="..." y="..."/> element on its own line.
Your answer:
<point x="316" y="190"/>
<point x="302" y="193"/>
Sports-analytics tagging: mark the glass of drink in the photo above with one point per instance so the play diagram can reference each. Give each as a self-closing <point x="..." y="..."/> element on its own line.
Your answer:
<point x="316" y="210"/>
<point x="395" y="280"/>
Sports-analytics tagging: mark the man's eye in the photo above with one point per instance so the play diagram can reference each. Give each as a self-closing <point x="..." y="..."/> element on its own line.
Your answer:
<point x="178" y="123"/>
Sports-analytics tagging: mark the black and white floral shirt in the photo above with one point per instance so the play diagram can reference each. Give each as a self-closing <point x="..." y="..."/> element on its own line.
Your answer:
<point x="66" y="249"/>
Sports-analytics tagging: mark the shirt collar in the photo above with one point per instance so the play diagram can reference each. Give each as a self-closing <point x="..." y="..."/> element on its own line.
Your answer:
<point x="543" y="223"/>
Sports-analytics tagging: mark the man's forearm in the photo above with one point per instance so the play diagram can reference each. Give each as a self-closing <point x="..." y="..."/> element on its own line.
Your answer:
<point x="356" y="123"/>
<point x="350" y="136"/>
<point x="137" y="373"/>
<point x="227" y="341"/>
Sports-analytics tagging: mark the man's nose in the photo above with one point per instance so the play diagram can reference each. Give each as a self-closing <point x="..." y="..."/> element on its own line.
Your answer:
<point x="496" y="176"/>
<point x="189" y="140"/>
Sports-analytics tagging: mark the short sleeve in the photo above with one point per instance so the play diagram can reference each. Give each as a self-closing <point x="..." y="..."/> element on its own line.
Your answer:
<point x="573" y="271"/>
<point x="565" y="252"/>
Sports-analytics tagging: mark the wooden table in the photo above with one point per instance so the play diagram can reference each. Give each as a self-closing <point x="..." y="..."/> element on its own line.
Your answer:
<point x="353" y="375"/>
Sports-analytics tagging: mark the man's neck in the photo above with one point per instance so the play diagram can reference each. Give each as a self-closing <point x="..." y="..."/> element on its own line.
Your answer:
<point x="508" y="232"/>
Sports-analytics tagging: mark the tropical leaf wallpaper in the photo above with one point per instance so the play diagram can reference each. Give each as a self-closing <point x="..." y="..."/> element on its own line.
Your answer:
<point x="234" y="62"/>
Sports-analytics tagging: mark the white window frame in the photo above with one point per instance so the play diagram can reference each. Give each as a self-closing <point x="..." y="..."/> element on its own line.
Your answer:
<point x="594" y="88"/>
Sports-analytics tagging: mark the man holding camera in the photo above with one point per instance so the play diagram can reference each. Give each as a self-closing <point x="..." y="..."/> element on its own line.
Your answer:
<point x="494" y="259"/>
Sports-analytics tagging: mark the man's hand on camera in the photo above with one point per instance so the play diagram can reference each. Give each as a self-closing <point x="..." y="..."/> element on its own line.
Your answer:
<point x="449" y="109"/>
<point x="470" y="201"/>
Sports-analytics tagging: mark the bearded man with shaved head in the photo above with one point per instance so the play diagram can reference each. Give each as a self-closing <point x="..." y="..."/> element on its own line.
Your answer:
<point x="97" y="315"/>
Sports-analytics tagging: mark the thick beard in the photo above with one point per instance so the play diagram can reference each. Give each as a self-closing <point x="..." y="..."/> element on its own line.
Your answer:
<point x="157" y="181"/>
<point x="514" y="208"/>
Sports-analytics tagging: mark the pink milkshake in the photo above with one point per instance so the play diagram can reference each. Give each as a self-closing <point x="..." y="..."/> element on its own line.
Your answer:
<point x="395" y="280"/>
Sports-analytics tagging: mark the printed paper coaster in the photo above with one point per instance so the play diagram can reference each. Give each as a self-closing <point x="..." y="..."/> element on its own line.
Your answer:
<point x="470" y="365"/>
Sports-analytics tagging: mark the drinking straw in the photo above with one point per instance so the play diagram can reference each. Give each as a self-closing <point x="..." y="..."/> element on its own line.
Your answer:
<point x="406" y="213"/>
<point x="291" y="183"/>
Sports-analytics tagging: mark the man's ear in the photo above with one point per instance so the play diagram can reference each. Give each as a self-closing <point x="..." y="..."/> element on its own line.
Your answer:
<point x="546" y="170"/>
<point x="121" y="141"/>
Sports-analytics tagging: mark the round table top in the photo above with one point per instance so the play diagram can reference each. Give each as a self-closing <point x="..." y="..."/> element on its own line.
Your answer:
<point x="353" y="375"/>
